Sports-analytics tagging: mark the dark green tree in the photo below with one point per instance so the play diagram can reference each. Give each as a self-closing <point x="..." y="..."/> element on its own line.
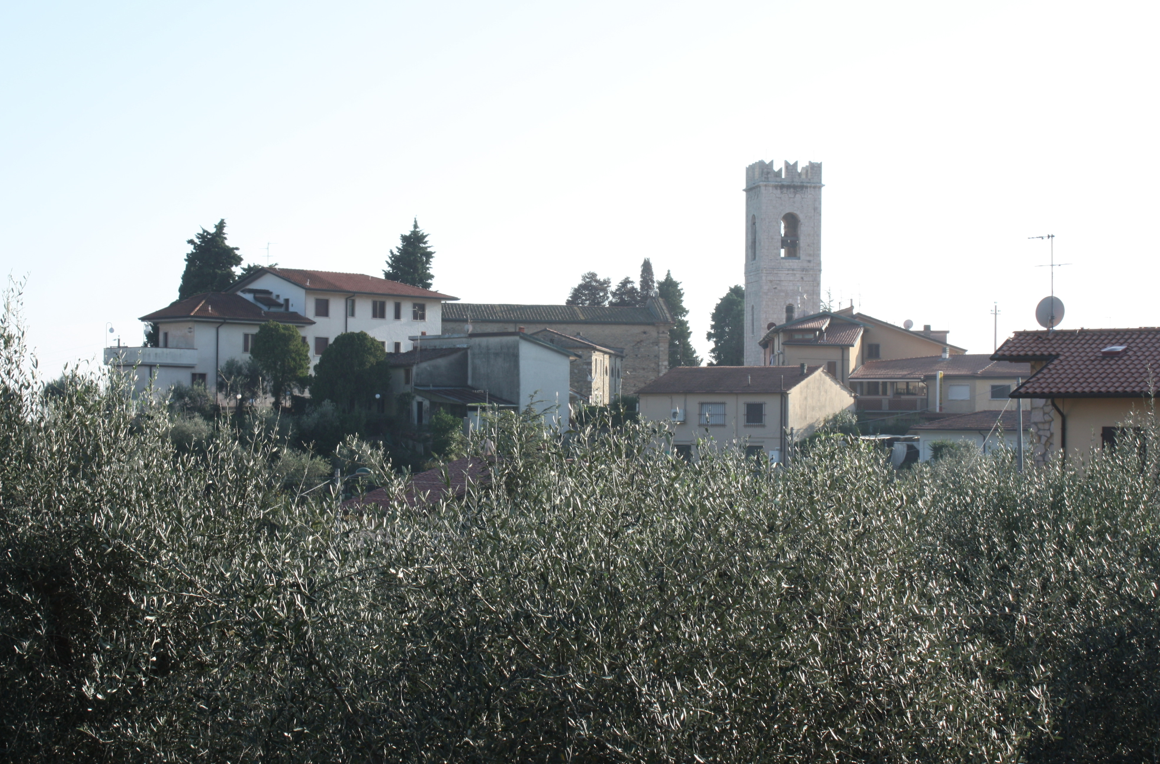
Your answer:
<point x="152" y="335"/>
<point x="727" y="329"/>
<point x="648" y="282"/>
<point x="282" y="356"/>
<point x="626" y="294"/>
<point x="591" y="291"/>
<point x="351" y="371"/>
<point x="681" y="352"/>
<point x="411" y="262"/>
<point x="250" y="268"/>
<point x="209" y="266"/>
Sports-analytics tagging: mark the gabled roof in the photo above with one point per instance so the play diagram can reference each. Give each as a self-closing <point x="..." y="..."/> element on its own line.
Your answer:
<point x="978" y="421"/>
<point x="976" y="365"/>
<point x="573" y="343"/>
<point x="655" y="311"/>
<point x="466" y="395"/>
<point x="223" y="306"/>
<point x="833" y="328"/>
<point x="351" y="283"/>
<point x="1082" y="363"/>
<point x="909" y="332"/>
<point x="754" y="380"/>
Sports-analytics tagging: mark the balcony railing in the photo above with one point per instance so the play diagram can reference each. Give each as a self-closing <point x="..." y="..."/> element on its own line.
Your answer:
<point x="891" y="403"/>
<point x="128" y="357"/>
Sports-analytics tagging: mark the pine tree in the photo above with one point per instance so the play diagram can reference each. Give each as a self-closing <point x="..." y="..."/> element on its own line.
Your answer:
<point x="648" y="282"/>
<point x="626" y="294"/>
<point x="681" y="352"/>
<point x="209" y="266"/>
<point x="411" y="262"/>
<point x="727" y="329"/>
<point x="591" y="291"/>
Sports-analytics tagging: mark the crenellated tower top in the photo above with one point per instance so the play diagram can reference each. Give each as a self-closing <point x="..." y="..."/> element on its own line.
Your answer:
<point x="789" y="174"/>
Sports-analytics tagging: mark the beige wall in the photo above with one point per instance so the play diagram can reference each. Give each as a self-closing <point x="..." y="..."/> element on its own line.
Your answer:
<point x="980" y="392"/>
<point x="657" y="407"/>
<point x="813" y="401"/>
<point x="818" y="355"/>
<point x="1085" y="418"/>
<point x="900" y="344"/>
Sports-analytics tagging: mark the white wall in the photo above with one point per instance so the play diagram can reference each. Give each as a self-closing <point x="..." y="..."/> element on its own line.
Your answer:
<point x="979" y="439"/>
<point x="544" y="375"/>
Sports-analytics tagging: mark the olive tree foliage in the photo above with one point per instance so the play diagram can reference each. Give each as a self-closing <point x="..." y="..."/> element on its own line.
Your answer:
<point x="596" y="599"/>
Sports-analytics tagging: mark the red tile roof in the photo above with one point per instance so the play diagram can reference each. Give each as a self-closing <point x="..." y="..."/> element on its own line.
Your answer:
<point x="655" y="311"/>
<point x="978" y="421"/>
<point x="352" y="283"/>
<point x="219" y="306"/>
<point x="449" y="481"/>
<point x="728" y="379"/>
<point x="1076" y="367"/>
<point x="838" y="334"/>
<point x="926" y="366"/>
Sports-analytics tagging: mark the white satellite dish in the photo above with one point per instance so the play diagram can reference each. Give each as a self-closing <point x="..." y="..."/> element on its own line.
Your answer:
<point x="908" y="324"/>
<point x="1049" y="312"/>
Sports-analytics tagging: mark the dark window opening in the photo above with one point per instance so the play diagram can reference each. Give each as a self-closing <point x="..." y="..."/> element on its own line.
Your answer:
<point x="398" y="311"/>
<point x="165" y="340"/>
<point x="321" y="307"/>
<point x="398" y="347"/>
<point x="873" y="351"/>
<point x="419" y="311"/>
<point x="321" y="344"/>
<point x="407" y="376"/>
<point x="832" y="368"/>
<point x="197" y="380"/>
<point x="247" y="342"/>
<point x="789" y="235"/>
<point x="379" y="309"/>
<point x="684" y="452"/>
<point x="753" y="238"/>
<point x="754" y="452"/>
<point x="788" y="313"/>
<point x="350" y="307"/>
<point x="754" y="413"/>
<point x="1000" y="392"/>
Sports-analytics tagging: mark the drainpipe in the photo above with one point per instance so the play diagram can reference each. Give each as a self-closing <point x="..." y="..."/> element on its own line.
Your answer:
<point x="784" y="415"/>
<point x="938" y="392"/>
<point x="1062" y="428"/>
<point x="216" y="358"/>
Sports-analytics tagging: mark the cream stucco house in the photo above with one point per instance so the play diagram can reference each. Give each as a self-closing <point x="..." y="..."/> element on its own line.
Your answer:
<point x="1084" y="384"/>
<point x="763" y="408"/>
<point x="950" y="384"/>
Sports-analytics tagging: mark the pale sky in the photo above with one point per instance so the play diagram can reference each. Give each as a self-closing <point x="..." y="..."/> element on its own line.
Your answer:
<point x="536" y="141"/>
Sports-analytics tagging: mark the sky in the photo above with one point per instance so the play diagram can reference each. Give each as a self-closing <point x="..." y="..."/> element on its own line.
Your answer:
<point x="536" y="141"/>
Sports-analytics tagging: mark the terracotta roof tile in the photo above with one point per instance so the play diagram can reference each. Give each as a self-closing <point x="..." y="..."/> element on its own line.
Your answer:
<point x="728" y="379"/>
<point x="356" y="283"/>
<point x="1077" y="367"/>
<point x="573" y="343"/>
<point x="837" y="334"/>
<point x="217" y="306"/>
<point x="978" y="421"/>
<point x="966" y="365"/>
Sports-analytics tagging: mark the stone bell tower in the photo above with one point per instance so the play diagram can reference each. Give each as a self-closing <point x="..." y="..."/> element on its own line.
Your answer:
<point x="783" y="248"/>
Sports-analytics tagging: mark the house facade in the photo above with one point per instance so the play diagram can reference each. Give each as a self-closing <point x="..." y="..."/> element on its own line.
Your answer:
<point x="596" y="376"/>
<point x="1084" y="384"/>
<point x="951" y="384"/>
<point x="197" y="335"/>
<point x="987" y="430"/>
<point x="641" y="333"/>
<point x="763" y="408"/>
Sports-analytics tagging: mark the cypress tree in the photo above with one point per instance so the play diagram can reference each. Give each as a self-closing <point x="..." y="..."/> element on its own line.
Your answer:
<point x="411" y="262"/>
<point x="209" y="266"/>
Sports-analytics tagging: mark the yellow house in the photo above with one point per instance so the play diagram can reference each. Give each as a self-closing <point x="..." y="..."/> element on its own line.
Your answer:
<point x="1085" y="383"/>
<point x="950" y="384"/>
<point x="763" y="408"/>
<point x="843" y="341"/>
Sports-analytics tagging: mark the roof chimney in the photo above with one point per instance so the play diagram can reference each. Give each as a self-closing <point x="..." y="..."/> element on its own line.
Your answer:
<point x="926" y="329"/>
<point x="521" y="330"/>
<point x="946" y="352"/>
<point x="803" y="370"/>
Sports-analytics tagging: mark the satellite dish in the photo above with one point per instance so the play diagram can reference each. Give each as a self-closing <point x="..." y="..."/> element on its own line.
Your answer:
<point x="908" y="324"/>
<point x="1049" y="312"/>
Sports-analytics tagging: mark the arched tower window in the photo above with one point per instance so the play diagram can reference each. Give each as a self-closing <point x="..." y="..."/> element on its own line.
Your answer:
<point x="790" y="226"/>
<point x="753" y="237"/>
<point x="788" y="313"/>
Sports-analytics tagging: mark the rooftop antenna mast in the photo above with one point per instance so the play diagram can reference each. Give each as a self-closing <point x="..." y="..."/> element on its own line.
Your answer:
<point x="267" y="254"/>
<point x="995" y="313"/>
<point x="1052" y="265"/>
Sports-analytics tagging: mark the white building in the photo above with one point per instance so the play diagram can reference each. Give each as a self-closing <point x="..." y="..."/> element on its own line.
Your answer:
<point x="200" y="333"/>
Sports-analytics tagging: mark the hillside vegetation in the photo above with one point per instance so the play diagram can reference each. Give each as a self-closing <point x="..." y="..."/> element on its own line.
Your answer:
<point x="601" y="601"/>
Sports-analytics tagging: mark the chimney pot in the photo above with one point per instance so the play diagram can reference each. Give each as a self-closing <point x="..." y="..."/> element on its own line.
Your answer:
<point x="803" y="369"/>
<point x="521" y="330"/>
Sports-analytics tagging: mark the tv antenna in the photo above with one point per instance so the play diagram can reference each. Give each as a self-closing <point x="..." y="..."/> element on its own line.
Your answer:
<point x="267" y="254"/>
<point x="995" y="313"/>
<point x="1045" y="313"/>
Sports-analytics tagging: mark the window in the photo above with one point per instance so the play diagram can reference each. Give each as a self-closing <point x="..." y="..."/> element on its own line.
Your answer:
<point x="398" y="347"/>
<point x="788" y="313"/>
<point x="247" y="342"/>
<point x="321" y="306"/>
<point x="197" y="380"/>
<point x="874" y="388"/>
<point x="712" y="414"/>
<point x="754" y="452"/>
<point x="350" y="307"/>
<point x="379" y="309"/>
<point x="684" y="452"/>
<point x="832" y="368"/>
<point x="754" y="413"/>
<point x="164" y="339"/>
<point x="419" y="413"/>
<point x="419" y="311"/>
<point x="753" y="237"/>
<point x="873" y="351"/>
<point x="407" y="375"/>
<point x="398" y="311"/>
<point x="304" y="342"/>
<point x="321" y="344"/>
<point x="789" y="235"/>
<point x="958" y="392"/>
<point x="1000" y="392"/>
